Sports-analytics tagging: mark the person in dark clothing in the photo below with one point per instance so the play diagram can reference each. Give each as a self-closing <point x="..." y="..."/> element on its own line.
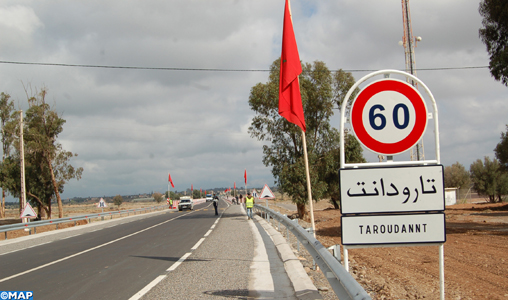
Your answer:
<point x="216" y="203"/>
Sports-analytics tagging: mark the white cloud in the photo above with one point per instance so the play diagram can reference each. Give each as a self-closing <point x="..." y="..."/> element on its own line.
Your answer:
<point x="17" y="24"/>
<point x="131" y="127"/>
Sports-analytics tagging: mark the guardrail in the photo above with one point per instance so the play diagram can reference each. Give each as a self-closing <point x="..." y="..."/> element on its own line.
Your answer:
<point x="88" y="218"/>
<point x="342" y="283"/>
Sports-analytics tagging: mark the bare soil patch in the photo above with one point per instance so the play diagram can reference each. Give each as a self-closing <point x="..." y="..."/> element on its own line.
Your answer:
<point x="476" y="257"/>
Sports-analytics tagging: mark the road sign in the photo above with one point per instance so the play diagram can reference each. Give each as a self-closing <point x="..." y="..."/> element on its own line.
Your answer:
<point x="254" y="193"/>
<point x="389" y="116"/>
<point x="102" y="203"/>
<point x="392" y="189"/>
<point x="28" y="212"/>
<point x="266" y="193"/>
<point x="393" y="229"/>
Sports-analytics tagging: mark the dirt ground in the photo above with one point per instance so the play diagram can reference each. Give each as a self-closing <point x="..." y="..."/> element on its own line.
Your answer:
<point x="476" y="257"/>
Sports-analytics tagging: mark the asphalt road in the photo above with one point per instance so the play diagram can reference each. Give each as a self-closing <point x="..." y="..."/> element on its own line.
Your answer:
<point x="112" y="262"/>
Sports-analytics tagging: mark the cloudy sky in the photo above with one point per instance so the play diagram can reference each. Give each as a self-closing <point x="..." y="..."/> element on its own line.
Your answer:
<point x="130" y="127"/>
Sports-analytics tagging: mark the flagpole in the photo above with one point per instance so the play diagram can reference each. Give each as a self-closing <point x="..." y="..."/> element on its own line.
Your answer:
<point x="292" y="110"/>
<point x="307" y="173"/>
<point x="309" y="192"/>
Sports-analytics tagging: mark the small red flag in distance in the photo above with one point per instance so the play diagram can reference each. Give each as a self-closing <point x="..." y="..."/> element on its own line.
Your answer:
<point x="171" y="181"/>
<point x="290" y="99"/>
<point x="245" y="176"/>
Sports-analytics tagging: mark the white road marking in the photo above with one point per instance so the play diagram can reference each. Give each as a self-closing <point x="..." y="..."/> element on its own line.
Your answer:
<point x="179" y="262"/>
<point x="198" y="243"/>
<point x="173" y="267"/>
<point x="26" y="248"/>
<point x="85" y="251"/>
<point x="148" y="287"/>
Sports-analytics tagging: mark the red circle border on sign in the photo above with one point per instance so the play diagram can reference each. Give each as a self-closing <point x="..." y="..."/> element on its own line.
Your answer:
<point x="381" y="86"/>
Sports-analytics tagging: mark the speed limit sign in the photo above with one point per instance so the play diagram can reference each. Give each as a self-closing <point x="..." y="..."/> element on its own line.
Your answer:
<point x="389" y="116"/>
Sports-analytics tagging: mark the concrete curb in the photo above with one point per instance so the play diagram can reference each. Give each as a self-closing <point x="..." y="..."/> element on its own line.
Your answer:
<point x="302" y="284"/>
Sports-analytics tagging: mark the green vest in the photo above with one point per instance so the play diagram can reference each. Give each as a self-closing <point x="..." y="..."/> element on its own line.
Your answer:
<point x="249" y="202"/>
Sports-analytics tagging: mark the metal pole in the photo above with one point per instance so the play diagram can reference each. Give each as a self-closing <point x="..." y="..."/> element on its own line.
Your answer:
<point x="346" y="260"/>
<point x="441" y="272"/>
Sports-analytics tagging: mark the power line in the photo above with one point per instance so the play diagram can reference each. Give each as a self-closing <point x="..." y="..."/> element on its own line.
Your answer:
<point x="207" y="70"/>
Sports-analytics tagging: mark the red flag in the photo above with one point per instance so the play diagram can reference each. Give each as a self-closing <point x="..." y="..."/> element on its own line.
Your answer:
<point x="245" y="176"/>
<point x="234" y="186"/>
<point x="290" y="99"/>
<point x="191" y="187"/>
<point x="171" y="181"/>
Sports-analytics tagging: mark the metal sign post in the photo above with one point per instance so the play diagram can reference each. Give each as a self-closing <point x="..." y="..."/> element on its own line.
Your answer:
<point x="401" y="203"/>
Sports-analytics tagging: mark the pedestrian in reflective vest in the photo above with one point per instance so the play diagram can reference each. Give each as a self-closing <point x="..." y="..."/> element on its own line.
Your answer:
<point x="249" y="204"/>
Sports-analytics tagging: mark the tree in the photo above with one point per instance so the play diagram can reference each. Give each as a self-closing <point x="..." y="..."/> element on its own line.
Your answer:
<point x="501" y="150"/>
<point x="118" y="200"/>
<point x="494" y="34"/>
<point x="6" y="110"/>
<point x="457" y="176"/>
<point x="43" y="125"/>
<point x="284" y="153"/>
<point x="172" y="195"/>
<point x="488" y="179"/>
<point x="157" y="197"/>
<point x="46" y="163"/>
<point x="353" y="154"/>
<point x="196" y="194"/>
<point x="342" y="82"/>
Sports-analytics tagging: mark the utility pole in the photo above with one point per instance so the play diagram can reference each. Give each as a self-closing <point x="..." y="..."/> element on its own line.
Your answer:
<point x="409" y="43"/>
<point x="22" y="158"/>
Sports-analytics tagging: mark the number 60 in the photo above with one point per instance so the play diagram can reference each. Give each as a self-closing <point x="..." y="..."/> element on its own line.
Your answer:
<point x="373" y="116"/>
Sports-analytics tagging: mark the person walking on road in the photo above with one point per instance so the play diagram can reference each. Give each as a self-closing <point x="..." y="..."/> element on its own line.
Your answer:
<point x="170" y="202"/>
<point x="216" y="203"/>
<point x="249" y="204"/>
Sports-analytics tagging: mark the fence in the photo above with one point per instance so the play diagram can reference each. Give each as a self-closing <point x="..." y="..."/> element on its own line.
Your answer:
<point x="342" y="283"/>
<point x="88" y="218"/>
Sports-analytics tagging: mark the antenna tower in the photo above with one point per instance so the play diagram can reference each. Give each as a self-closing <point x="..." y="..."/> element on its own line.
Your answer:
<point x="409" y="43"/>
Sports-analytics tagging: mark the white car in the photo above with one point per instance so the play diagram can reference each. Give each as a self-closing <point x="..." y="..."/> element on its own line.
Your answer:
<point x="209" y="197"/>
<point x="185" y="203"/>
